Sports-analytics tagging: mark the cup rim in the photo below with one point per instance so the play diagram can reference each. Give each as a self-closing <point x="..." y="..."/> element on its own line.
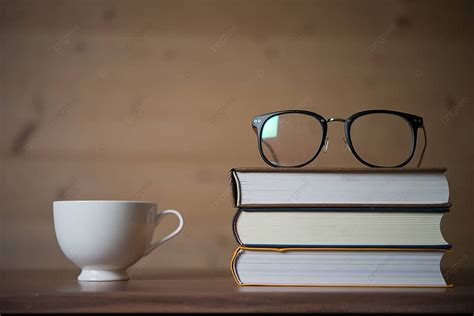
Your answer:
<point x="103" y="201"/>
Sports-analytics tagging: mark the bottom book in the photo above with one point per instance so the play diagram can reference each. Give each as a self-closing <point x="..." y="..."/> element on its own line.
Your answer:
<point x="370" y="267"/>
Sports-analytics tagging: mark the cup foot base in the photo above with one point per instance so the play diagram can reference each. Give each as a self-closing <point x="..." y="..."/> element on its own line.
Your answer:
<point x="89" y="275"/>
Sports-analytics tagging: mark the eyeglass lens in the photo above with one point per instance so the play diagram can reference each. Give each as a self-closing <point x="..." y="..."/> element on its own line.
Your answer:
<point x="380" y="139"/>
<point x="291" y="139"/>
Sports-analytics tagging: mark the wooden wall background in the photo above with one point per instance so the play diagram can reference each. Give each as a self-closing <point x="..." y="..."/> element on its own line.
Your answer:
<point x="152" y="100"/>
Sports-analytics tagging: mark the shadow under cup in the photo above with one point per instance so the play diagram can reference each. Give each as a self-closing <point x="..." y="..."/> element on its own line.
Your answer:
<point x="104" y="238"/>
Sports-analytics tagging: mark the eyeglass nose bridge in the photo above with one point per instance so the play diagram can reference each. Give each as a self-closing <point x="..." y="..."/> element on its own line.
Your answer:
<point x="335" y="119"/>
<point x="326" y="141"/>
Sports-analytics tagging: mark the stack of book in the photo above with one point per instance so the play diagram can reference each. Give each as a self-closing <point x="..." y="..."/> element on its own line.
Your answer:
<point x="339" y="227"/>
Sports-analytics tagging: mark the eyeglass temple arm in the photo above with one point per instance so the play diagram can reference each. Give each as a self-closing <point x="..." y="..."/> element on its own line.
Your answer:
<point x="272" y="152"/>
<point x="424" y="146"/>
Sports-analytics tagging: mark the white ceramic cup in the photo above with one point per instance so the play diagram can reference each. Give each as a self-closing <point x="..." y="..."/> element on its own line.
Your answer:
<point x="104" y="238"/>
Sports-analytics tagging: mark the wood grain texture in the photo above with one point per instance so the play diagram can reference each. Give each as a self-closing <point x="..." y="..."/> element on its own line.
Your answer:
<point x="153" y="100"/>
<point x="44" y="291"/>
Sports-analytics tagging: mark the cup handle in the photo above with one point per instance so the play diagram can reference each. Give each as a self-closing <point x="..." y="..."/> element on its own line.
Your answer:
<point x="174" y="233"/>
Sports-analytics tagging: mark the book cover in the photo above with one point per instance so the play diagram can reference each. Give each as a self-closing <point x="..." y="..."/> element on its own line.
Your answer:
<point x="240" y="250"/>
<point x="302" y="226"/>
<point x="366" y="187"/>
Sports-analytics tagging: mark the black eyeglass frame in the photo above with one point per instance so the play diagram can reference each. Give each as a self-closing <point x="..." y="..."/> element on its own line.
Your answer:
<point x="415" y="122"/>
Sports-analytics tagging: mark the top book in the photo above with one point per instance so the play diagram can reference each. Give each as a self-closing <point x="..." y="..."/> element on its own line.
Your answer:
<point x="284" y="187"/>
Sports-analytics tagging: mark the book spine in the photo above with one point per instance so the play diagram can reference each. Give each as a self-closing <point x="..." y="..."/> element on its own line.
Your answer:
<point x="235" y="188"/>
<point x="233" y="263"/>
<point x="234" y="227"/>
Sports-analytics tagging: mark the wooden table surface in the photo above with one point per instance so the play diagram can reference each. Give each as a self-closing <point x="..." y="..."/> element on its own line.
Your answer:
<point x="41" y="291"/>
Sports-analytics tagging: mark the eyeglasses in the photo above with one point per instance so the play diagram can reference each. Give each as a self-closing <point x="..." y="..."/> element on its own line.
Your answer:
<point x="377" y="138"/>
